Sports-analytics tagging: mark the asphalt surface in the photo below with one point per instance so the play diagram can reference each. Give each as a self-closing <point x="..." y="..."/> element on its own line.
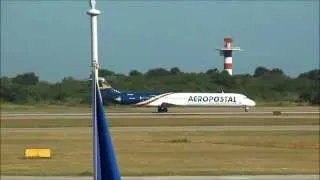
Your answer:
<point x="240" y="177"/>
<point x="219" y="128"/>
<point x="177" y="128"/>
<point x="114" y="115"/>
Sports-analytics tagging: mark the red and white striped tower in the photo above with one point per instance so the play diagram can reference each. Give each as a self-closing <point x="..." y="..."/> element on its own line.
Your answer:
<point x="226" y="52"/>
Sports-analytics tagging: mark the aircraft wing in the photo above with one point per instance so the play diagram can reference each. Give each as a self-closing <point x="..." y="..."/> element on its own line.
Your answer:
<point x="148" y="102"/>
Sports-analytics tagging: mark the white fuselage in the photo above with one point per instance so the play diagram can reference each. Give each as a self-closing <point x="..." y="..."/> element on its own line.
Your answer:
<point x="200" y="99"/>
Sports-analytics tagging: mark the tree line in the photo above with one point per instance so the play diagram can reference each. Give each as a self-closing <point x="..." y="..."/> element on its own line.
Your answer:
<point x="264" y="85"/>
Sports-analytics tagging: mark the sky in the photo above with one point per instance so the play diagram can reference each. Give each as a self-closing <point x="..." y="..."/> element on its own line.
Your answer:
<point x="52" y="38"/>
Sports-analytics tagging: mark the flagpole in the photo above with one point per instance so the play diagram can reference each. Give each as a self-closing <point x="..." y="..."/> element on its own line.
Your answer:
<point x="93" y="13"/>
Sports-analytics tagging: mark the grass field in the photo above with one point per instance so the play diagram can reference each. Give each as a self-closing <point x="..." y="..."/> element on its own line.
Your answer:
<point x="122" y="122"/>
<point x="162" y="153"/>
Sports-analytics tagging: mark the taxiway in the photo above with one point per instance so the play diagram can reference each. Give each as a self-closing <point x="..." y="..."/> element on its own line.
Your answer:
<point x="132" y="115"/>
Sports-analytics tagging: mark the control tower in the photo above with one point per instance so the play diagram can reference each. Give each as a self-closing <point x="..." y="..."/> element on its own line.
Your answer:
<point x="226" y="52"/>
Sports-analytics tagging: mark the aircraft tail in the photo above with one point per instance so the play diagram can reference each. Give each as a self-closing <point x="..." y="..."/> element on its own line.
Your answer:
<point x="103" y="84"/>
<point x="106" y="89"/>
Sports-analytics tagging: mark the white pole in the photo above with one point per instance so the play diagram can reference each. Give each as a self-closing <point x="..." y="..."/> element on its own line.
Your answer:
<point x="93" y="13"/>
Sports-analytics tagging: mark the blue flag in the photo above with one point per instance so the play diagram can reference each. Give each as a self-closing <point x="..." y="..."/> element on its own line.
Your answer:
<point x="105" y="162"/>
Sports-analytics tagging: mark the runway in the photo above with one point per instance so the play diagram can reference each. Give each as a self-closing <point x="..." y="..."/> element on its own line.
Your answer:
<point x="132" y="115"/>
<point x="218" y="128"/>
<point x="236" y="177"/>
<point x="176" y="128"/>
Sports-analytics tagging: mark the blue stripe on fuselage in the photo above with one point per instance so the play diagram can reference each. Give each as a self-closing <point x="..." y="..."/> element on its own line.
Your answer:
<point x="135" y="97"/>
<point x="126" y="97"/>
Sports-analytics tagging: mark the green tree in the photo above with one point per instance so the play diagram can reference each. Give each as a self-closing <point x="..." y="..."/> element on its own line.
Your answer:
<point x="261" y="71"/>
<point x="135" y="73"/>
<point x="212" y="71"/>
<point x="105" y="73"/>
<point x="157" y="72"/>
<point x="26" y="79"/>
<point x="277" y="71"/>
<point x="267" y="85"/>
<point x="313" y="74"/>
<point x="224" y="79"/>
<point x="175" y="71"/>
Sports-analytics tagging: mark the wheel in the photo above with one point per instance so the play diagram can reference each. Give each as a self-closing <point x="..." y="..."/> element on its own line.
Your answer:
<point x="165" y="109"/>
<point x="162" y="109"/>
<point x="246" y="109"/>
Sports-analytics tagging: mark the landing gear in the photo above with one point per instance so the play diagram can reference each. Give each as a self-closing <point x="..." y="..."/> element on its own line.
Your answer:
<point x="162" y="109"/>
<point x="246" y="108"/>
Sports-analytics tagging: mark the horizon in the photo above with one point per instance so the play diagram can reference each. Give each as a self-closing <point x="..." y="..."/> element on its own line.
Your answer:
<point x="142" y="35"/>
<point x="144" y="73"/>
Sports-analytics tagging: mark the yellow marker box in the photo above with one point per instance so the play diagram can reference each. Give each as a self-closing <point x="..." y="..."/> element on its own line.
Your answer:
<point x="38" y="153"/>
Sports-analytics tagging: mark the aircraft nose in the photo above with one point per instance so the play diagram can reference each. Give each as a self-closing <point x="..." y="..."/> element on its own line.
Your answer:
<point x="250" y="102"/>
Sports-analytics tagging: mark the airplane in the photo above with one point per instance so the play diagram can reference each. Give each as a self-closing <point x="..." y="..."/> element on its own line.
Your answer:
<point x="126" y="98"/>
<point x="165" y="100"/>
